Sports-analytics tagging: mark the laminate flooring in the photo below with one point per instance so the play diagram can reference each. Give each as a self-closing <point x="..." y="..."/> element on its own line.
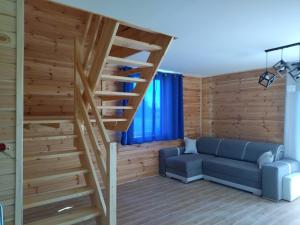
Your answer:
<point x="164" y="201"/>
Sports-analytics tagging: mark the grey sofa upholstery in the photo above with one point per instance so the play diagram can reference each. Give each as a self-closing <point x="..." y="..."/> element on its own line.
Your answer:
<point x="272" y="175"/>
<point x="230" y="162"/>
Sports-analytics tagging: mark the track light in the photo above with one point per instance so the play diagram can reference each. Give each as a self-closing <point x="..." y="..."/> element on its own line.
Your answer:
<point x="295" y="72"/>
<point x="267" y="78"/>
<point x="281" y="67"/>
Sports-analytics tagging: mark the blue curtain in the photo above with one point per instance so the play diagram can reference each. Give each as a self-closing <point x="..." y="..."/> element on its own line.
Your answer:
<point x="160" y="115"/>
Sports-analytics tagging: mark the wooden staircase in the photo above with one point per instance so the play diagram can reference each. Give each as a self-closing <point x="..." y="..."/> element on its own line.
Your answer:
<point x="69" y="158"/>
<point x="113" y="42"/>
<point x="57" y="171"/>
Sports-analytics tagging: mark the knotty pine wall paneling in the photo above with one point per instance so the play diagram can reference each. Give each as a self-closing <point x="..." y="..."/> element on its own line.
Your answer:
<point x="192" y="89"/>
<point x="141" y="160"/>
<point x="232" y="105"/>
<point x="236" y="106"/>
<point x="11" y="43"/>
<point x="50" y="30"/>
<point x="49" y="34"/>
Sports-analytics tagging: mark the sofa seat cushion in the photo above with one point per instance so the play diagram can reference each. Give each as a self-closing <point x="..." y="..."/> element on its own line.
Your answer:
<point x="186" y="162"/>
<point x="240" y="172"/>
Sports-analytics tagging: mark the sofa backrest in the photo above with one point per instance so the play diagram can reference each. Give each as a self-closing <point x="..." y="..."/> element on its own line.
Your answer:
<point x="238" y="149"/>
<point x="208" y="145"/>
<point x="232" y="149"/>
<point x="255" y="149"/>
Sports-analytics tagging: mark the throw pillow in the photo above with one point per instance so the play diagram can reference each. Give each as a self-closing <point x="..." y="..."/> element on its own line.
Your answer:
<point x="267" y="157"/>
<point x="190" y="146"/>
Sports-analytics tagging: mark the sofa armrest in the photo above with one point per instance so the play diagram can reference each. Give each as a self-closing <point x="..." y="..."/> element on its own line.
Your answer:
<point x="279" y="154"/>
<point x="164" y="154"/>
<point x="272" y="176"/>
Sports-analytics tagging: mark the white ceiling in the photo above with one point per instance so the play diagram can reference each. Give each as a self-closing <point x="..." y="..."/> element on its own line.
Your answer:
<point x="214" y="36"/>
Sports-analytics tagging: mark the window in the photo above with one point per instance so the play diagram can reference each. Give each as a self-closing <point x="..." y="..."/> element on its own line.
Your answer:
<point x="160" y="115"/>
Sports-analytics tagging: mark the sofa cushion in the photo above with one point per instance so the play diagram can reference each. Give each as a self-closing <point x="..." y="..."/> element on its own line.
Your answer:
<point x="208" y="145"/>
<point x="255" y="149"/>
<point x="241" y="172"/>
<point x="186" y="162"/>
<point x="265" y="158"/>
<point x="232" y="149"/>
<point x="190" y="146"/>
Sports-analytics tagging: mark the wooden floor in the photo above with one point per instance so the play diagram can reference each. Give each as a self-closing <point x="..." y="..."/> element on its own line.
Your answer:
<point x="163" y="201"/>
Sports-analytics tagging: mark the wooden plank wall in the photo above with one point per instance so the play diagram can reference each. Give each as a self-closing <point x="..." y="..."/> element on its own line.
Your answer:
<point x="49" y="82"/>
<point x="236" y="106"/>
<point x="49" y="38"/>
<point x="8" y="106"/>
<point x="233" y="105"/>
<point x="192" y="89"/>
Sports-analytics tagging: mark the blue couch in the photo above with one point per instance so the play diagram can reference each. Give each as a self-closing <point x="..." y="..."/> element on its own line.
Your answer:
<point x="230" y="162"/>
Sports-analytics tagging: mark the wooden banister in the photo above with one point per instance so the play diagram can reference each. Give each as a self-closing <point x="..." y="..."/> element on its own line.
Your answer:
<point x="112" y="184"/>
<point x="92" y="43"/>
<point x="102" y="50"/>
<point x="87" y="28"/>
<point x="90" y="98"/>
<point x="92" y="137"/>
<point x="101" y="205"/>
<point x="84" y="99"/>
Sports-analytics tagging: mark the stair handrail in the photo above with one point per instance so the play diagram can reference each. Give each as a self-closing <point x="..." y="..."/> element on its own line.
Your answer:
<point x="84" y="100"/>
<point x="83" y="79"/>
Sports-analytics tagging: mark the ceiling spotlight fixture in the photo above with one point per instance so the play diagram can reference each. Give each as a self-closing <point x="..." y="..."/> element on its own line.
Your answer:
<point x="267" y="78"/>
<point x="295" y="72"/>
<point x="282" y="68"/>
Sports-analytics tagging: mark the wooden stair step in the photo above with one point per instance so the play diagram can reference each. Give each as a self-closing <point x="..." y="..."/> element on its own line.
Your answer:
<point x="57" y="196"/>
<point x="133" y="44"/>
<point x="130" y="72"/>
<point x="69" y="218"/>
<point x="112" y="107"/>
<point x="115" y="95"/>
<point x="110" y="119"/>
<point x="122" y="78"/>
<point x="48" y="119"/>
<point x="52" y="155"/>
<point x="126" y="62"/>
<point x="44" y="176"/>
<point x="46" y="138"/>
<point x="115" y="126"/>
